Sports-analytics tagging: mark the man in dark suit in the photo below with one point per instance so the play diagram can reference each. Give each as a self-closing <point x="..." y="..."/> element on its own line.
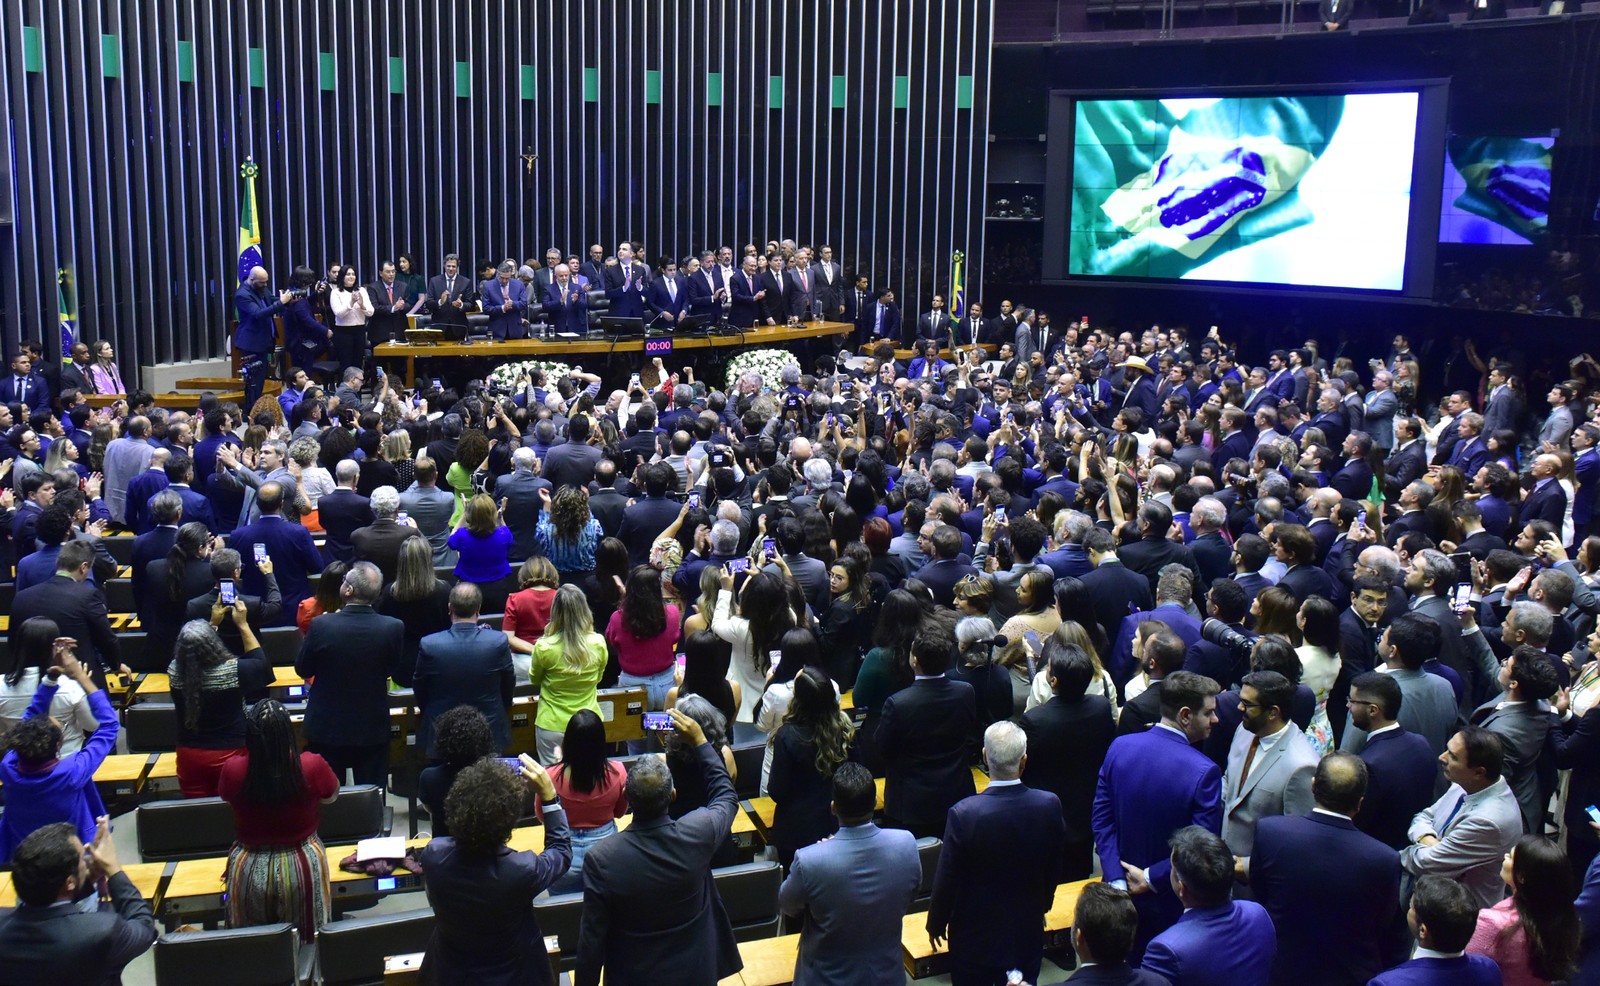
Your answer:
<point x="925" y="733"/>
<point x="1115" y="590"/>
<point x="649" y="515"/>
<point x="294" y="556"/>
<point x="572" y="462"/>
<point x="666" y="298"/>
<point x="802" y="288"/>
<point x="1296" y="548"/>
<point x="343" y="512"/>
<point x="380" y="541"/>
<point x="449" y="298"/>
<point x="1547" y="501"/>
<point x="1341" y="934"/>
<point x="259" y="610"/>
<point x="468" y="664"/>
<point x="1470" y="451"/>
<point x="606" y="502"/>
<point x="1141" y="391"/>
<point x="657" y="858"/>
<point x="353" y="653"/>
<point x="1402" y="767"/>
<point x="705" y="289"/>
<point x="391" y="300"/>
<point x="935" y="322"/>
<point x="1443" y="917"/>
<point x="1151" y="785"/>
<point x="1235" y="443"/>
<point x="972" y="328"/>
<point x="1103" y="927"/>
<point x="77" y="606"/>
<point x="881" y="319"/>
<point x="852" y="890"/>
<point x="1409" y="460"/>
<point x="594" y="267"/>
<point x="998" y="869"/>
<point x="196" y="508"/>
<point x="167" y="512"/>
<point x="49" y="939"/>
<point x="504" y="299"/>
<point x="624" y="283"/>
<point x="23" y="385"/>
<point x="1154" y="550"/>
<point x="1354" y="478"/>
<point x="773" y="280"/>
<point x="255" y="338"/>
<point x="1174" y="593"/>
<point x="748" y="296"/>
<point x="1217" y="940"/>
<point x="947" y="567"/>
<point x="1227" y="602"/>
<point x="75" y="374"/>
<point x="566" y="307"/>
<point x="858" y="302"/>
<point x="1068" y="737"/>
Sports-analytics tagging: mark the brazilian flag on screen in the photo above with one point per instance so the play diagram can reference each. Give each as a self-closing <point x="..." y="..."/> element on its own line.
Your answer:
<point x="1163" y="186"/>
<point x="1507" y="179"/>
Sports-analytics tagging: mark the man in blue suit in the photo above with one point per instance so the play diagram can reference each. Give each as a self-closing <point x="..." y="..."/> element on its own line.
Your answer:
<point x="748" y="296"/>
<point x="257" y="334"/>
<point x="666" y="297"/>
<point x="1334" y="936"/>
<point x="881" y="319"/>
<point x="1152" y="784"/>
<point x="196" y="508"/>
<point x="998" y="869"/>
<point x="1218" y="941"/>
<point x="1401" y="765"/>
<point x="624" y="284"/>
<point x="566" y="306"/>
<point x="1103" y="927"/>
<point x="851" y="892"/>
<point x="705" y="288"/>
<point x="1443" y="916"/>
<point x="1586" y="464"/>
<point x="504" y="299"/>
<point x="23" y="385"/>
<point x="294" y="556"/>
<point x="1235" y="444"/>
<point x="467" y="664"/>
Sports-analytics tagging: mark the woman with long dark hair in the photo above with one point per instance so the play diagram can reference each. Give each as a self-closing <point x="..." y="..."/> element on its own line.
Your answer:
<point x="706" y="659"/>
<point x="1075" y="605"/>
<point x="590" y="785"/>
<point x="808" y="747"/>
<point x="351" y="308"/>
<point x="887" y="667"/>
<point x="32" y="655"/>
<point x="610" y="572"/>
<point x="277" y="870"/>
<point x="325" y="597"/>
<point x="764" y="614"/>
<point x="1533" y="935"/>
<point x="799" y="648"/>
<point x="210" y="686"/>
<point x="644" y="631"/>
<point x="482" y="891"/>
<point x="845" y="629"/>
<point x="1318" y="620"/>
<point x="170" y="583"/>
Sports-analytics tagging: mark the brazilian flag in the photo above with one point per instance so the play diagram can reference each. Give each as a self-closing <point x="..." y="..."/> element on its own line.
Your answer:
<point x="1508" y="182"/>
<point x="1159" y="189"/>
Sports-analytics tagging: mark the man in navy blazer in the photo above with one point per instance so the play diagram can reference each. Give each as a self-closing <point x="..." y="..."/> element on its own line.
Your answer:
<point x="1152" y="784"/>
<point x="924" y="736"/>
<point x="504" y="299"/>
<point x="1354" y="478"/>
<point x="947" y="568"/>
<point x="1218" y="941"/>
<point x="667" y="297"/>
<point x="467" y="664"/>
<point x="24" y="386"/>
<point x="1337" y="934"/>
<point x="705" y="288"/>
<point x="196" y="508"/>
<point x="1547" y="501"/>
<point x="624" y="284"/>
<point x="566" y="306"/>
<point x="1112" y="586"/>
<point x="1235" y="444"/>
<point x="167" y="513"/>
<point x="1104" y="923"/>
<point x="1443" y="917"/>
<point x="1401" y="765"/>
<point x="748" y="296"/>
<point x="851" y="892"/>
<point x="998" y="869"/>
<point x="294" y="556"/>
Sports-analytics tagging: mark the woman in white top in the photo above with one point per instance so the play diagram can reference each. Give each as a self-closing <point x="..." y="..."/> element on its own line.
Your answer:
<point x="798" y="648"/>
<point x="32" y="650"/>
<point x="755" y="633"/>
<point x="314" y="480"/>
<point x="351" y="308"/>
<point x="1319" y="664"/>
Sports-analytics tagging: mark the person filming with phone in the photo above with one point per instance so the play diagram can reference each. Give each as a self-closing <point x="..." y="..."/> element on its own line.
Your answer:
<point x="227" y="571"/>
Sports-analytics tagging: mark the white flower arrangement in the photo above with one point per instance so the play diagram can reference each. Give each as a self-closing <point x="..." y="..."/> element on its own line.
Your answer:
<point x="505" y="375"/>
<point x="768" y="364"/>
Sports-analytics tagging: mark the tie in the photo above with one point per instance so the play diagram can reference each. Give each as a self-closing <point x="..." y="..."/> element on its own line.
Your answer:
<point x="672" y="289"/>
<point x="1452" y="816"/>
<point x="451" y="289"/>
<point x="1249" y="758"/>
<point x="1042" y="333"/>
<point x="391" y="295"/>
<point x="803" y="286"/>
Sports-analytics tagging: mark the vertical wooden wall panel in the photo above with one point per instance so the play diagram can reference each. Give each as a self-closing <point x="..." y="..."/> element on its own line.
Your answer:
<point x="127" y="134"/>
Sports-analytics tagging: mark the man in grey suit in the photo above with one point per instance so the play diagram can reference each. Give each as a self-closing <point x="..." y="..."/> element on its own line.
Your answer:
<point x="1465" y="835"/>
<point x="1428" y="703"/>
<point x="851" y="892"/>
<point x="1023" y="342"/>
<point x="1270" y="764"/>
<point x="1521" y="718"/>
<point x="429" y="509"/>
<point x="1379" y="408"/>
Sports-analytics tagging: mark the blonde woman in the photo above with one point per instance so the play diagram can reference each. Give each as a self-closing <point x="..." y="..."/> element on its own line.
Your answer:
<point x="1072" y="632"/>
<point x="567" y="664"/>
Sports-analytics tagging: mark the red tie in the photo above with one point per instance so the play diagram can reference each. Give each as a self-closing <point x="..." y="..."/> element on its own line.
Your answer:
<point x="391" y="294"/>
<point x="1249" y="758"/>
<point x="803" y="281"/>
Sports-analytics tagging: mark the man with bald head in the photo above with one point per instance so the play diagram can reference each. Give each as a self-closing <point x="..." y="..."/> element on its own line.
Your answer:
<point x="257" y="335"/>
<point x="294" y="557"/>
<point x="1340" y="933"/>
<point x="1547" y="501"/>
<point x="566" y="306"/>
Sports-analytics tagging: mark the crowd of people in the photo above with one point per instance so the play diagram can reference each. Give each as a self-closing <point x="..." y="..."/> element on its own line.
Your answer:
<point x="1296" y="657"/>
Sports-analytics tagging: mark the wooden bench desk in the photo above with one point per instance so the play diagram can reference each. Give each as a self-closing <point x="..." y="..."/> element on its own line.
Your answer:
<point x="923" y="960"/>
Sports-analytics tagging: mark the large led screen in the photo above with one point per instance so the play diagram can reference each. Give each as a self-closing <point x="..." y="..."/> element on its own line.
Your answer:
<point x="1296" y="189"/>
<point x="1496" y="190"/>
